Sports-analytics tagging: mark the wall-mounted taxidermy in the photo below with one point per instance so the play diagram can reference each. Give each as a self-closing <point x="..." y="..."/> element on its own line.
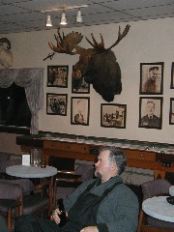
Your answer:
<point x="6" y="56"/>
<point x="98" y="65"/>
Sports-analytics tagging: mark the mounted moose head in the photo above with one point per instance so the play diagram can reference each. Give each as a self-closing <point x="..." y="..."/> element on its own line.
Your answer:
<point x="97" y="65"/>
<point x="6" y="56"/>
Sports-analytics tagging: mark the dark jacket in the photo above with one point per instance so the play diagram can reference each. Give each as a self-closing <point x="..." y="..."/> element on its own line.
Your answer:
<point x="118" y="211"/>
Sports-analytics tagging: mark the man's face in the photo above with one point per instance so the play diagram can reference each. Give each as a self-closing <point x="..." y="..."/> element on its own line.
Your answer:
<point x="150" y="108"/>
<point x="103" y="166"/>
<point x="154" y="74"/>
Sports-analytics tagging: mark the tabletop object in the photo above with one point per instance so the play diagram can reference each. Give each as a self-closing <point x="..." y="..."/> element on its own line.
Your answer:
<point x="171" y="190"/>
<point x="159" y="208"/>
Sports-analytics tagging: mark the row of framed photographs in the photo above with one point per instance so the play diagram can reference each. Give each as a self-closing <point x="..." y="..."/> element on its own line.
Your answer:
<point x="112" y="115"/>
<point x="151" y="78"/>
<point x="57" y="76"/>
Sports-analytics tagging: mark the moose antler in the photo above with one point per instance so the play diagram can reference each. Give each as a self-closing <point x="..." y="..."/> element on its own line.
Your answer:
<point x="120" y="36"/>
<point x="66" y="44"/>
<point x="97" y="46"/>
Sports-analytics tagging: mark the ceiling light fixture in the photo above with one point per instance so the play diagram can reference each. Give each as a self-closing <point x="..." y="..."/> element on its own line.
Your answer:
<point x="63" y="20"/>
<point x="64" y="8"/>
<point x="79" y="18"/>
<point x="49" y="21"/>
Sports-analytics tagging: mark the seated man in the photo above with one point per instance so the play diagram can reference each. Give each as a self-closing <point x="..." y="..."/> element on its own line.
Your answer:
<point x="103" y="204"/>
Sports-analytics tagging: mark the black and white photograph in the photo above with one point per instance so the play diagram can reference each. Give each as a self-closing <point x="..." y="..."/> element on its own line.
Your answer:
<point x="113" y="115"/>
<point x="57" y="76"/>
<point x="57" y="104"/>
<point x="80" y="110"/>
<point x="172" y="76"/>
<point x="151" y="78"/>
<point x="171" y="112"/>
<point x="79" y="85"/>
<point x="150" y="112"/>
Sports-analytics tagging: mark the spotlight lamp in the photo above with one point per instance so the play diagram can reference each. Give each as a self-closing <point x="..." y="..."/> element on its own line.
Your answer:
<point x="49" y="21"/>
<point x="79" y="18"/>
<point x="63" y="20"/>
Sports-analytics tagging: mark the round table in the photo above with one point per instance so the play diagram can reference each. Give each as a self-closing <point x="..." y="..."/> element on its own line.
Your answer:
<point x="31" y="171"/>
<point x="159" y="208"/>
<point x="36" y="172"/>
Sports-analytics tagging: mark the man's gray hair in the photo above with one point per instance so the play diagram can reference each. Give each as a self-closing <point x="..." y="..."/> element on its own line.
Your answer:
<point x="117" y="156"/>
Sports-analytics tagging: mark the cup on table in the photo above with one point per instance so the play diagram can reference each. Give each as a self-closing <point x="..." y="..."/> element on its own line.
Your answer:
<point x="171" y="190"/>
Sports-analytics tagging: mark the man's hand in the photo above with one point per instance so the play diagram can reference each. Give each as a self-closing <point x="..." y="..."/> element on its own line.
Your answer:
<point x="55" y="216"/>
<point x="89" y="229"/>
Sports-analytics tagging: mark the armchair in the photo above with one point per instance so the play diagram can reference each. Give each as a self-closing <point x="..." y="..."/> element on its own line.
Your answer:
<point x="20" y="196"/>
<point x="11" y="198"/>
<point x="68" y="180"/>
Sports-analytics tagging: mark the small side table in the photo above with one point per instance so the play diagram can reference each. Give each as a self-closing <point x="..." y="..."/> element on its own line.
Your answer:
<point x="159" y="208"/>
<point x="36" y="172"/>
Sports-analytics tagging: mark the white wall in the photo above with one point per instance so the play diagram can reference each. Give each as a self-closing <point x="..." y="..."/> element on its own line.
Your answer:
<point x="148" y="41"/>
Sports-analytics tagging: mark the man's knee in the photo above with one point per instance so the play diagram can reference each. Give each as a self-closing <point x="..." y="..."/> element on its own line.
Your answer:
<point x="24" y="224"/>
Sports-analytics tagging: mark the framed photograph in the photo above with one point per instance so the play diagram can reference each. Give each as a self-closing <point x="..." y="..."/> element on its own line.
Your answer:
<point x="56" y="104"/>
<point x="79" y="85"/>
<point x="151" y="78"/>
<point x="150" y="112"/>
<point x="80" y="110"/>
<point x="172" y="76"/>
<point x="113" y="115"/>
<point x="171" y="112"/>
<point x="57" y="76"/>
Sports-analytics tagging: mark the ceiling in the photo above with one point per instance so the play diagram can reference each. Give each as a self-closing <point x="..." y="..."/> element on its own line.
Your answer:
<point x="29" y="15"/>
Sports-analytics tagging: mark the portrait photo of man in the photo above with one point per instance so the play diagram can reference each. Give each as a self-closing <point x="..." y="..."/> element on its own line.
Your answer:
<point x="151" y="78"/>
<point x="150" y="112"/>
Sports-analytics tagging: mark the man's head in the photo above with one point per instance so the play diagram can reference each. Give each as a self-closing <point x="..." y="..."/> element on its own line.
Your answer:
<point x="154" y="72"/>
<point x="150" y="108"/>
<point x="111" y="162"/>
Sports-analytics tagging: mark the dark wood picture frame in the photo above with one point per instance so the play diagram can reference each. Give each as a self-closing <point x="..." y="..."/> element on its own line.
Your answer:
<point x="113" y="115"/>
<point x="56" y="104"/>
<point x="80" y="107"/>
<point x="172" y="76"/>
<point x="150" y="112"/>
<point x="151" y="78"/>
<point x="79" y="85"/>
<point x="171" y="112"/>
<point x="57" y="76"/>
